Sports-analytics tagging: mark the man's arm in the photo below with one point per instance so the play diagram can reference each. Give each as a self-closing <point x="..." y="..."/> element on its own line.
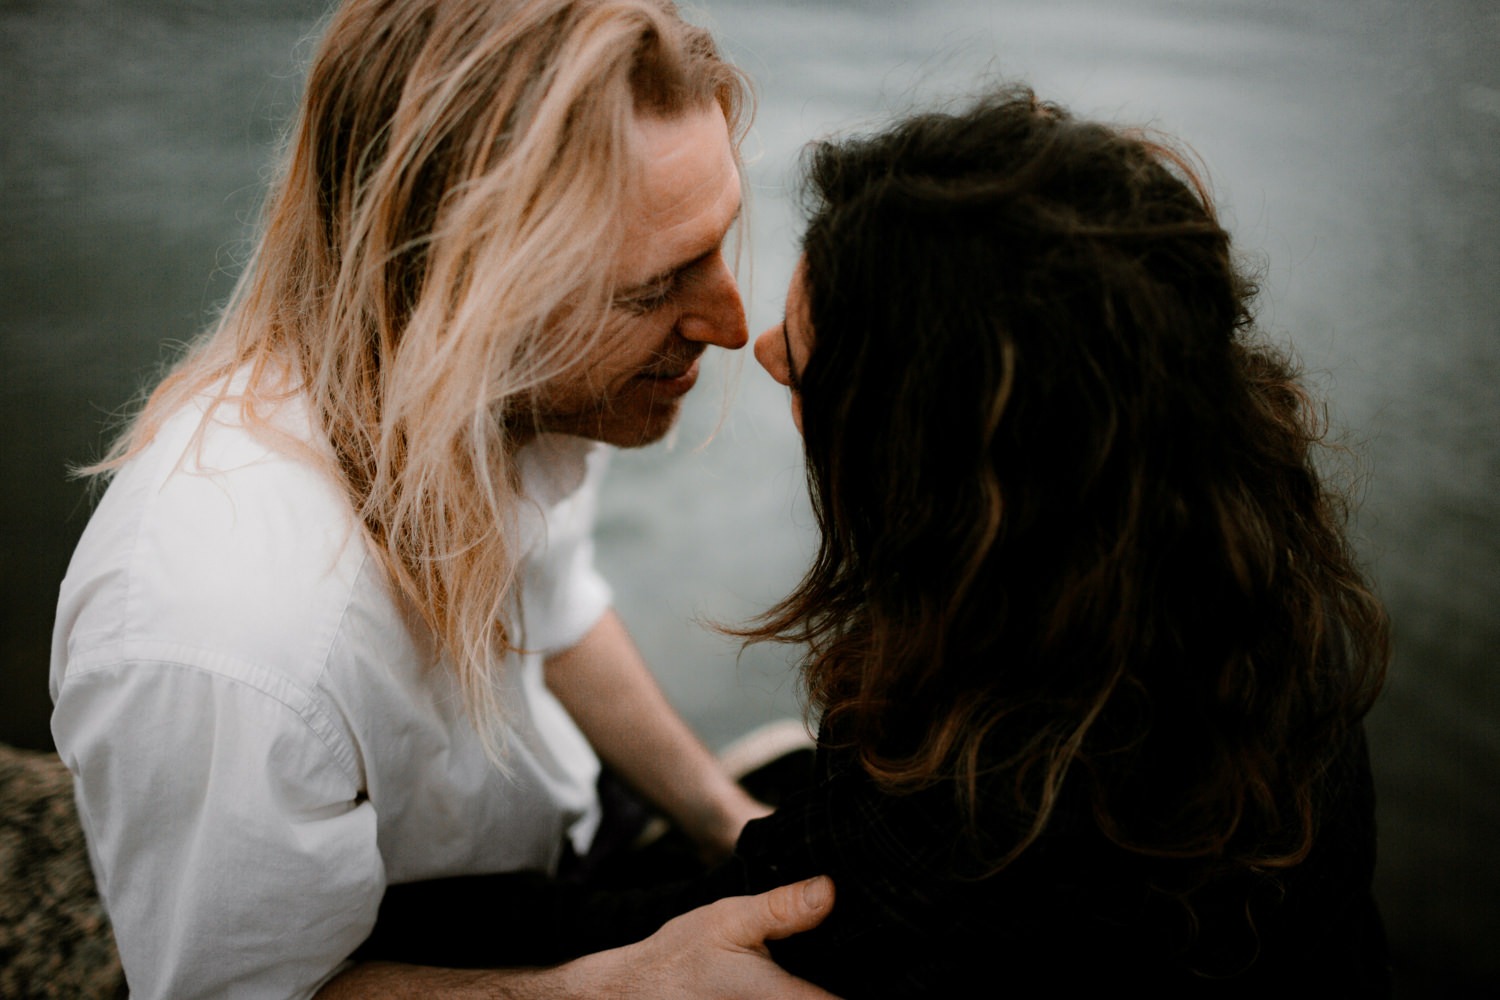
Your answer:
<point x="716" y="952"/>
<point x="606" y="686"/>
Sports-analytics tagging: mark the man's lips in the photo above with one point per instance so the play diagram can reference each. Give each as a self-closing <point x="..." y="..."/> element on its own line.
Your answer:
<point x="675" y="381"/>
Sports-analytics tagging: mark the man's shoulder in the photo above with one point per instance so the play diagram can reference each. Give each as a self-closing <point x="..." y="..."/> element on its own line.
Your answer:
<point x="214" y="539"/>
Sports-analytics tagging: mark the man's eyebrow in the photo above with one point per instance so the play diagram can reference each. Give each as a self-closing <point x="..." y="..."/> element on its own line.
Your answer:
<point x="671" y="273"/>
<point x="667" y="277"/>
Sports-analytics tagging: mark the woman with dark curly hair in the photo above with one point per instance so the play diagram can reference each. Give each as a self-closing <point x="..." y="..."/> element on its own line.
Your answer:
<point x="1088" y="644"/>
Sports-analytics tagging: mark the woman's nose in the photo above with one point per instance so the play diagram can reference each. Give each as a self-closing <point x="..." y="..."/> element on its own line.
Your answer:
<point x="770" y="351"/>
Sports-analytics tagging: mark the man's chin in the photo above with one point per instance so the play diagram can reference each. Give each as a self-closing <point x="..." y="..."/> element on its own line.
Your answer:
<point x="640" y="437"/>
<point x="618" y="429"/>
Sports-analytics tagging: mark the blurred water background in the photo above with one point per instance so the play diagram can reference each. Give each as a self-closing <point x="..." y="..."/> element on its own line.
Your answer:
<point x="1354" y="144"/>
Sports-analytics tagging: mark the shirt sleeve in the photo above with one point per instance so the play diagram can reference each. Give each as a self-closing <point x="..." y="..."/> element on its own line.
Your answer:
<point x="233" y="850"/>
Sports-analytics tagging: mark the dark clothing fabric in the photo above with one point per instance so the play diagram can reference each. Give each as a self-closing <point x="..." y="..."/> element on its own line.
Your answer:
<point x="918" y="914"/>
<point x="529" y="918"/>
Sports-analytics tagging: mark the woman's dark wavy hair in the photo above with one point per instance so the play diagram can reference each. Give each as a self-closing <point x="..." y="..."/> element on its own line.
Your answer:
<point x="1071" y="523"/>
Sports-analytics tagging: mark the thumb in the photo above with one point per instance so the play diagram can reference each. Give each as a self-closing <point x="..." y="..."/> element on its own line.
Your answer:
<point x="782" y="912"/>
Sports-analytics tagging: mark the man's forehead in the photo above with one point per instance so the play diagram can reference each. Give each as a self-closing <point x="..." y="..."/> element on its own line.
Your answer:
<point x="681" y="159"/>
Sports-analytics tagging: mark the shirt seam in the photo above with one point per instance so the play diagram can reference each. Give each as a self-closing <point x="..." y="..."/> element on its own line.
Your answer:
<point x="269" y="683"/>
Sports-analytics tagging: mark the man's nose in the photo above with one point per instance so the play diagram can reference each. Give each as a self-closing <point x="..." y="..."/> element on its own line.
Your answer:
<point x="715" y="314"/>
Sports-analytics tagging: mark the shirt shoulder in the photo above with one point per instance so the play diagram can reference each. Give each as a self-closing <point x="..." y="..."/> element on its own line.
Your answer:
<point x="216" y="541"/>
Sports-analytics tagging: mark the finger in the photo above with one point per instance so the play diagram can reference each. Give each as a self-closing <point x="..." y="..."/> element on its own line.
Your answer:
<point x="782" y="912"/>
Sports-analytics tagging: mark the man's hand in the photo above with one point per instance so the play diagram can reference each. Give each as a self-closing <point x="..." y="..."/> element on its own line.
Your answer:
<point x="716" y="952"/>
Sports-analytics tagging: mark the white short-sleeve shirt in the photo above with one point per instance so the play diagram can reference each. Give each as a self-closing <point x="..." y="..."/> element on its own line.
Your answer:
<point x="262" y="739"/>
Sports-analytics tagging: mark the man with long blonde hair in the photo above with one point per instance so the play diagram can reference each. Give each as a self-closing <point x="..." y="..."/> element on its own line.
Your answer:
<point x="335" y="624"/>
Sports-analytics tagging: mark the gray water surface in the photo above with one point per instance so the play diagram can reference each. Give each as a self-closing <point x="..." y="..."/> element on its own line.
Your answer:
<point x="1354" y="144"/>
